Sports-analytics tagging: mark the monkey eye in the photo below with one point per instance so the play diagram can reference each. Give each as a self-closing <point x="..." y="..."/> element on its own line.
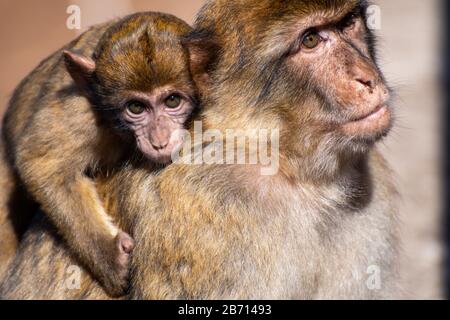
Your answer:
<point x="311" y="40"/>
<point x="136" y="107"/>
<point x="349" y="21"/>
<point x="173" y="101"/>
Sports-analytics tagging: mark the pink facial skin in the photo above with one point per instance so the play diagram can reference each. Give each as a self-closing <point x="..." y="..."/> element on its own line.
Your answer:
<point x="354" y="84"/>
<point x="156" y="120"/>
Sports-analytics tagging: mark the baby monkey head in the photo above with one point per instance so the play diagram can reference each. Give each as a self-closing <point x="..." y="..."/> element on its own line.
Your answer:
<point x="139" y="81"/>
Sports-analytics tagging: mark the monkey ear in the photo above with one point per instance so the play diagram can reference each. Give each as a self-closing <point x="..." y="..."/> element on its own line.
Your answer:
<point x="80" y="68"/>
<point x="203" y="55"/>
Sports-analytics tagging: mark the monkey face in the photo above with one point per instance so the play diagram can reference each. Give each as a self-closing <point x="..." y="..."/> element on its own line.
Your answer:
<point x="345" y="78"/>
<point x="306" y="67"/>
<point x="156" y="120"/>
<point x="145" y="78"/>
<point x="139" y="82"/>
<point x="152" y="101"/>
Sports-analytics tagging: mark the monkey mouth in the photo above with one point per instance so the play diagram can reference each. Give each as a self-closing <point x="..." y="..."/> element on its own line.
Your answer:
<point x="162" y="156"/>
<point x="373" y="114"/>
<point x="373" y="123"/>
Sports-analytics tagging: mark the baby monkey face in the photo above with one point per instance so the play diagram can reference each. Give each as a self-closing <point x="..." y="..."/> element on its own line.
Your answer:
<point x="139" y="78"/>
<point x="157" y="119"/>
<point x="152" y="95"/>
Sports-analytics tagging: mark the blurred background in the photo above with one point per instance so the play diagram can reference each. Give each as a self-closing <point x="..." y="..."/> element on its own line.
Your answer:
<point x="411" y="50"/>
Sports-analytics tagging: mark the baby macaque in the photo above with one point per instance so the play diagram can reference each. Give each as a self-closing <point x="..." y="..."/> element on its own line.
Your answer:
<point x="116" y="95"/>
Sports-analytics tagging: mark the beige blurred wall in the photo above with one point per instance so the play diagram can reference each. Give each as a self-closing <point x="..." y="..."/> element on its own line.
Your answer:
<point x="410" y="47"/>
<point x="30" y="30"/>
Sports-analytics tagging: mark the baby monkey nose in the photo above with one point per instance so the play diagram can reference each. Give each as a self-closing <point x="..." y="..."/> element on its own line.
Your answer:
<point x="159" y="145"/>
<point x="159" y="136"/>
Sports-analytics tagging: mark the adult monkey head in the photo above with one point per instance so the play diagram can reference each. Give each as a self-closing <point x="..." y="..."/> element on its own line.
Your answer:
<point x="307" y="67"/>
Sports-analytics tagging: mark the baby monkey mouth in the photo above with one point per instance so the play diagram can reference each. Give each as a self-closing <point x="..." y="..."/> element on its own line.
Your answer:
<point x="373" y="123"/>
<point x="162" y="156"/>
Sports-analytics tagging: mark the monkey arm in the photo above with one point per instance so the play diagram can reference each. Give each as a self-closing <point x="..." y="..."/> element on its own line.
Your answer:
<point x="52" y="163"/>
<point x="45" y="269"/>
<point x="45" y="266"/>
<point x="8" y="237"/>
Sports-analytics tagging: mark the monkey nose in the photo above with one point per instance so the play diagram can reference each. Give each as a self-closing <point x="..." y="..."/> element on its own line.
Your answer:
<point x="368" y="83"/>
<point x="160" y="145"/>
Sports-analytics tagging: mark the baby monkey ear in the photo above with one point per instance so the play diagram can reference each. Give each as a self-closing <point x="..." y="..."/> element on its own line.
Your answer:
<point x="80" y="68"/>
<point x="203" y="55"/>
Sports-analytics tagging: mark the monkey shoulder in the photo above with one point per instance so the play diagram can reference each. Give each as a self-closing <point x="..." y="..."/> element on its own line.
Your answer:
<point x="47" y="94"/>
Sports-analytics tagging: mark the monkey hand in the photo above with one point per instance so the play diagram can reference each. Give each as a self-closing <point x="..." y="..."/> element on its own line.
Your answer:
<point x="115" y="275"/>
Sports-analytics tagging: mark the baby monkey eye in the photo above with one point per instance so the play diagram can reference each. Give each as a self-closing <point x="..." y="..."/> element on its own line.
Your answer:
<point x="136" y="107"/>
<point x="173" y="101"/>
<point x="311" y="40"/>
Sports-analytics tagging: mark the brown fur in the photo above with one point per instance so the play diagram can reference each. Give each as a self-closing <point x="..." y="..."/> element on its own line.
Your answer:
<point x="8" y="236"/>
<point x="309" y="232"/>
<point x="58" y="137"/>
<point x="42" y="268"/>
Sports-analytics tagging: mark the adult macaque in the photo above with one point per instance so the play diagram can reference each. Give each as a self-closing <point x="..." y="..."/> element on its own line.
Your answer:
<point x="313" y="230"/>
<point x="116" y="95"/>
